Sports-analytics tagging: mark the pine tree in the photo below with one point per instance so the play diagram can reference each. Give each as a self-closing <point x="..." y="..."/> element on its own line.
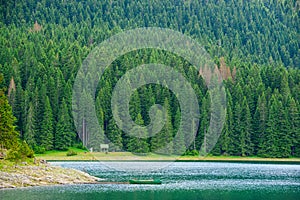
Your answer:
<point x="98" y="138"/>
<point x="30" y="128"/>
<point x="114" y="134"/>
<point x="168" y="129"/>
<point x="88" y="128"/>
<point x="259" y="125"/>
<point x="52" y="93"/>
<point x="294" y="127"/>
<point x="138" y="144"/>
<point x="204" y="124"/>
<point x="135" y="105"/>
<point x="19" y="107"/>
<point x="46" y="135"/>
<point x="228" y="126"/>
<point x="156" y="141"/>
<point x="284" y="87"/>
<point x="64" y="135"/>
<point x="284" y="140"/>
<point x="245" y="138"/>
<point x="234" y="147"/>
<point x="276" y="142"/>
<point x="178" y="143"/>
<point x="161" y="142"/>
<point x="268" y="146"/>
<point x="39" y="106"/>
<point x="8" y="135"/>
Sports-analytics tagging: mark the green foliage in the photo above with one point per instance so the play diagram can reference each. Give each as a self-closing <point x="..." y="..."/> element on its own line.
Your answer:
<point x="138" y="144"/>
<point x="46" y="134"/>
<point x="26" y="151"/>
<point x="80" y="146"/>
<point x="8" y="135"/>
<point x="64" y="136"/>
<point x="20" y="152"/>
<point x="30" y="127"/>
<point x="13" y="155"/>
<point x="71" y="153"/>
<point x="42" y="60"/>
<point x="39" y="149"/>
<point x="192" y="153"/>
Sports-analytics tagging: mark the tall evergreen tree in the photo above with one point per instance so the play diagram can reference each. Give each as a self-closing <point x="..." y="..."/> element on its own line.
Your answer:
<point x="115" y="134"/>
<point x="259" y="125"/>
<point x="228" y="126"/>
<point x="138" y="144"/>
<point x="294" y="126"/>
<point x="245" y="138"/>
<point x="46" y="135"/>
<point x="234" y="147"/>
<point x="276" y="142"/>
<point x="30" y="128"/>
<point x="8" y="135"/>
<point x="204" y="124"/>
<point x="178" y="143"/>
<point x="64" y="135"/>
<point x="161" y="142"/>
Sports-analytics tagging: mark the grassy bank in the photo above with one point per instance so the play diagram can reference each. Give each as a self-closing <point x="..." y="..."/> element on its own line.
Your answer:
<point x="127" y="156"/>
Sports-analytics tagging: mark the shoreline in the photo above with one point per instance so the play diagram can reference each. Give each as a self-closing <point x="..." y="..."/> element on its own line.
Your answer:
<point x="129" y="157"/>
<point x="208" y="160"/>
<point x="20" y="176"/>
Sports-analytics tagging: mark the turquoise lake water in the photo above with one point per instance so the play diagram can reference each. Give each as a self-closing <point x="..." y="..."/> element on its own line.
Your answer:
<point x="181" y="180"/>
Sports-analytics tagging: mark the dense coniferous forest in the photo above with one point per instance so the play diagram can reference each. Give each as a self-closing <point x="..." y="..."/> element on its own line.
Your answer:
<point x="255" y="44"/>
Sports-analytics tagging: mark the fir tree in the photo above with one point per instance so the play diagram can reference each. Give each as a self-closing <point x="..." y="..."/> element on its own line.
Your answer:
<point x="138" y="143"/>
<point x="245" y="138"/>
<point x="294" y="127"/>
<point x="30" y="128"/>
<point x="64" y="135"/>
<point x="178" y="143"/>
<point x="228" y="127"/>
<point x="259" y="125"/>
<point x="160" y="143"/>
<point x="46" y="135"/>
<point x="8" y="135"/>
<point x="234" y="147"/>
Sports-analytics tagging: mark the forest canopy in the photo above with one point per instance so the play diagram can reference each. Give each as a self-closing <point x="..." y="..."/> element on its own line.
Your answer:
<point x="255" y="45"/>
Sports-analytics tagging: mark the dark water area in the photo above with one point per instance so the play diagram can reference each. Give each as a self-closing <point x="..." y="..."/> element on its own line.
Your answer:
<point x="181" y="180"/>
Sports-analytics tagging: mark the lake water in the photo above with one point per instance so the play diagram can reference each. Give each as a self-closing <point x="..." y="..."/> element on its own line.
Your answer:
<point x="181" y="180"/>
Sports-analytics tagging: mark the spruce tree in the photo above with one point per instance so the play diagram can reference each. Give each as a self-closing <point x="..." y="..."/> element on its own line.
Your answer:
<point x="134" y="105"/>
<point x="284" y="140"/>
<point x="138" y="144"/>
<point x="268" y="144"/>
<point x="276" y="142"/>
<point x="246" y="132"/>
<point x="259" y="125"/>
<point x="204" y="124"/>
<point x="8" y="135"/>
<point x="234" y="147"/>
<point x="178" y="143"/>
<point x="161" y="142"/>
<point x="30" y="128"/>
<point x="294" y="127"/>
<point x="64" y="135"/>
<point x="46" y="135"/>
<point x="228" y="126"/>
<point x="114" y="134"/>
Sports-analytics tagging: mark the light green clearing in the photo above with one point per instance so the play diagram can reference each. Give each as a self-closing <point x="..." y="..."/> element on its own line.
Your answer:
<point x="83" y="155"/>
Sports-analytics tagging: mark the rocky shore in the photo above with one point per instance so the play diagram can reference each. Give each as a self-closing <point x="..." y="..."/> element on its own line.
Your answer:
<point x="41" y="175"/>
